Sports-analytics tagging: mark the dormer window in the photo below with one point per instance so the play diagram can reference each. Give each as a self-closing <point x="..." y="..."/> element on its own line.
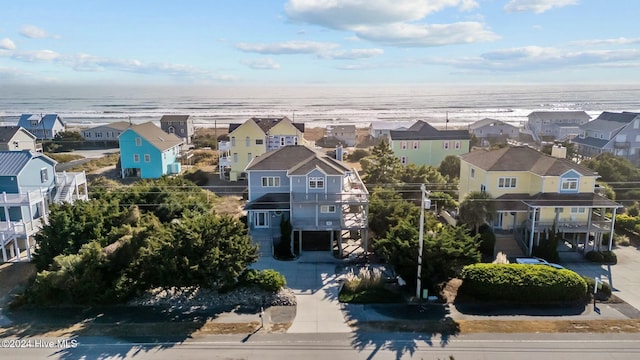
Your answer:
<point x="569" y="184"/>
<point x="316" y="183"/>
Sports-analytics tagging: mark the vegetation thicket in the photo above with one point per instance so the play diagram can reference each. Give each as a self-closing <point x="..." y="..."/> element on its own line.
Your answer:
<point x="158" y="233"/>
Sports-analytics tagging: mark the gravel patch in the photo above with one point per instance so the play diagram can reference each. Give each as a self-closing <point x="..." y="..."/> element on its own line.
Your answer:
<point x="196" y="297"/>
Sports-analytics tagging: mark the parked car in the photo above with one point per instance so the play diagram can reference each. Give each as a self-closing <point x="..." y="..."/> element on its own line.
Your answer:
<point x="538" y="261"/>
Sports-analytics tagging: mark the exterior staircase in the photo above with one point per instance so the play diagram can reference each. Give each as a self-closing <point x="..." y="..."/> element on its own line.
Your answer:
<point x="507" y="244"/>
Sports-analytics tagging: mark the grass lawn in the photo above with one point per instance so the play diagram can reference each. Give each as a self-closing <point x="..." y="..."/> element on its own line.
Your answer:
<point x="370" y="296"/>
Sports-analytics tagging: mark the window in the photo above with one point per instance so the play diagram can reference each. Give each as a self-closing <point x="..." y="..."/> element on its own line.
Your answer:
<point x="403" y="145"/>
<point x="445" y="145"/>
<point x="483" y="188"/>
<point x="98" y="134"/>
<point x="506" y="183"/>
<point x="138" y="141"/>
<point x="16" y="144"/>
<point x="261" y="219"/>
<point x="34" y="123"/>
<point x="44" y="175"/>
<point x="578" y="210"/>
<point x="456" y="145"/>
<point x="295" y="140"/>
<point x="181" y="130"/>
<point x="327" y="208"/>
<point x="136" y="157"/>
<point x="569" y="184"/>
<point x="403" y="160"/>
<point x="235" y="157"/>
<point x="259" y="141"/>
<point x="87" y="135"/>
<point x="147" y="158"/>
<point x="233" y="141"/>
<point x="282" y="141"/>
<point x="416" y="145"/>
<point x="473" y="173"/>
<point x="316" y="183"/>
<point x="247" y="141"/>
<point x="270" y="181"/>
<point x="636" y="123"/>
<point x="172" y="130"/>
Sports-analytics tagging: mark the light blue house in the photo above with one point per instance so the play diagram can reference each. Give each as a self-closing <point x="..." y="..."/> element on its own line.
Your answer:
<point x="325" y="201"/>
<point x="43" y="127"/>
<point x="148" y="152"/>
<point x="28" y="184"/>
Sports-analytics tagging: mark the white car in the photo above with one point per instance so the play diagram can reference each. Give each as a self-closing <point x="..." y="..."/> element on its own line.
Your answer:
<point x="538" y="261"/>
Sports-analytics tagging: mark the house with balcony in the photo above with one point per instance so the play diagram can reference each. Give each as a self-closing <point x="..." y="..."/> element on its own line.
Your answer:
<point x="107" y="133"/>
<point x="490" y="131"/>
<point x="323" y="199"/>
<point x="346" y="135"/>
<point x="147" y="152"/>
<point x="42" y="126"/>
<point x="615" y="133"/>
<point x="28" y="185"/>
<point x="556" y="125"/>
<point x="255" y="137"/>
<point x="16" y="138"/>
<point x="535" y="193"/>
<point x="179" y="125"/>
<point x="422" y="144"/>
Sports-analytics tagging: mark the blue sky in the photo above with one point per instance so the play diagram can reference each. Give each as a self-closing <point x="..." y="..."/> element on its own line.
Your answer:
<point x="327" y="42"/>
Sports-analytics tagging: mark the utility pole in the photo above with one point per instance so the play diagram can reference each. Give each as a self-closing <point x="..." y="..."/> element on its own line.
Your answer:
<point x="424" y="204"/>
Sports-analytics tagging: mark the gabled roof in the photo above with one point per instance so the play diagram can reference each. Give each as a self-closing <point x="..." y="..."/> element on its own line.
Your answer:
<point x="341" y="128"/>
<point x="153" y="134"/>
<point x="559" y="115"/>
<point x="423" y="131"/>
<point x="624" y="117"/>
<point x="167" y="118"/>
<point x="591" y="141"/>
<point x="47" y="121"/>
<point x="12" y="162"/>
<point x="8" y="132"/>
<point x="118" y="125"/>
<point x="522" y="158"/>
<point x="297" y="160"/>
<point x="265" y="124"/>
<point x="488" y="121"/>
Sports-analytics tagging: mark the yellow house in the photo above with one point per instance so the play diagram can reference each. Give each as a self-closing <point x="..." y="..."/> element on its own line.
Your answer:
<point x="535" y="192"/>
<point x="255" y="137"/>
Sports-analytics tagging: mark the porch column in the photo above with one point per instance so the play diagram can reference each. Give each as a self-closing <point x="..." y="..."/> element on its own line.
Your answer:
<point x="586" y="241"/>
<point x="30" y="213"/>
<point x="86" y="189"/>
<point x="16" y="248"/>
<point x="6" y="209"/>
<point x="4" y="251"/>
<point x="26" y="244"/>
<point x="533" y="226"/>
<point x="613" y="222"/>
<point x="300" y="240"/>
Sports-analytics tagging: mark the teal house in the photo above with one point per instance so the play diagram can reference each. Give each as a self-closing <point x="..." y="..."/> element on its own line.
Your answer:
<point x="147" y="152"/>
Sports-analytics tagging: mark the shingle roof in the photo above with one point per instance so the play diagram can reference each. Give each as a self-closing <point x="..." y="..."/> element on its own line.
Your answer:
<point x="522" y="158"/>
<point x="423" y="131"/>
<point x="266" y="124"/>
<point x="624" y="117"/>
<point x="12" y="162"/>
<point x="47" y="120"/>
<point x="297" y="160"/>
<point x="158" y="138"/>
<point x="591" y="141"/>
<point x="557" y="115"/>
<point x="8" y="132"/>
<point x="166" y="118"/>
<point x="521" y="202"/>
<point x="488" y="121"/>
<point x="270" y="201"/>
<point x="603" y="125"/>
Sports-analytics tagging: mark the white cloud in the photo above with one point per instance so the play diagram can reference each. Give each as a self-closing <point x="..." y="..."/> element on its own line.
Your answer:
<point x="262" y="64"/>
<point x="352" y="54"/>
<point x="34" y="32"/>
<point x="7" y="44"/>
<point x="404" y="34"/>
<point x="391" y="22"/>
<point x="617" y="41"/>
<point x="537" y="6"/>
<point x="36" y="56"/>
<point x="287" y="47"/>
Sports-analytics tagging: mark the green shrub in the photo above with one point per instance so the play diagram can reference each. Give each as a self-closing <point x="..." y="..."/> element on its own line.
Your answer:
<point x="529" y="284"/>
<point x="604" y="290"/>
<point x="610" y="257"/>
<point x="595" y="256"/>
<point x="199" y="177"/>
<point x="626" y="222"/>
<point x="269" y="279"/>
<point x="357" y="155"/>
<point x="621" y="240"/>
<point x="487" y="241"/>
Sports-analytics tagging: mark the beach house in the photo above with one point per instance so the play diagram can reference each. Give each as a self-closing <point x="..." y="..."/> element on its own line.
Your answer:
<point x="345" y="135"/>
<point x="255" y="137"/>
<point x="319" y="202"/>
<point x="179" y="125"/>
<point x="615" y="133"/>
<point x="16" y="138"/>
<point x="148" y="152"/>
<point x="535" y="192"/>
<point x="106" y="133"/>
<point x="556" y="125"/>
<point x="28" y="184"/>
<point x="490" y="131"/>
<point x="42" y="126"/>
<point x="422" y="144"/>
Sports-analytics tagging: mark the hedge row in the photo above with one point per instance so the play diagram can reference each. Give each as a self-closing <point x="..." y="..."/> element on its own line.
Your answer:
<point x="530" y="284"/>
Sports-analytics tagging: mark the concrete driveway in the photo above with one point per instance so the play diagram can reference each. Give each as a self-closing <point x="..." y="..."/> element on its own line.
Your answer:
<point x="313" y="279"/>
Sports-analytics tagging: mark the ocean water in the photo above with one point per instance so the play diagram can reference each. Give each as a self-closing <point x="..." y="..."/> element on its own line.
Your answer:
<point x="316" y="106"/>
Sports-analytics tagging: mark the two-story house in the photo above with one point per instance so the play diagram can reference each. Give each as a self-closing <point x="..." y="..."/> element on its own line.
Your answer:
<point x="324" y="200"/>
<point x="16" y="138"/>
<point x="148" y="152"/>
<point x="108" y="133"/>
<point x="28" y="184"/>
<point x="535" y="192"/>
<point x="382" y="129"/>
<point x="344" y="134"/>
<point x="422" y="144"/>
<point x="556" y="125"/>
<point x="255" y="137"/>
<point x="179" y="125"/>
<point x="43" y="127"/>
<point x="489" y="131"/>
<point x="616" y="133"/>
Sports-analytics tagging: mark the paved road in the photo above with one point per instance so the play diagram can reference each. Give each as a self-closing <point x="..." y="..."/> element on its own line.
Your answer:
<point x="343" y="346"/>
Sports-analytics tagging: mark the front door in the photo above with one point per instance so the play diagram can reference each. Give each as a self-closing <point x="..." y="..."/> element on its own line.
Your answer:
<point x="261" y="219"/>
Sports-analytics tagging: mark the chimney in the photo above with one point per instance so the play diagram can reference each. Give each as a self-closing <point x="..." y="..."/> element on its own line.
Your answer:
<point x="339" y="153"/>
<point x="559" y="151"/>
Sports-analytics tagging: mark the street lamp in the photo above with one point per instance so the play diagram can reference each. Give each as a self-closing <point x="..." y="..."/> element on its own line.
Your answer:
<point x="424" y="204"/>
